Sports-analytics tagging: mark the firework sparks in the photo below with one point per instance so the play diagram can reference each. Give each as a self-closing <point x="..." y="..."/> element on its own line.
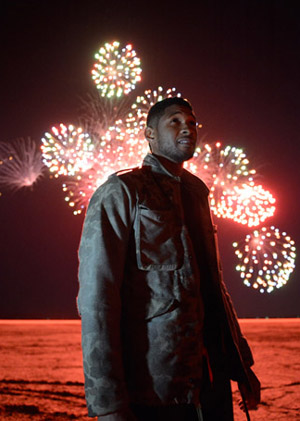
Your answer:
<point x="98" y="113"/>
<point x="135" y="123"/>
<point x="121" y="146"/>
<point x="113" y="155"/>
<point x="249" y="205"/>
<point x="224" y="168"/>
<point x="67" y="150"/>
<point x="117" y="70"/>
<point x="20" y="164"/>
<point x="267" y="259"/>
<point x="231" y="168"/>
<point x="79" y="189"/>
<point x="233" y="193"/>
<point x="200" y="164"/>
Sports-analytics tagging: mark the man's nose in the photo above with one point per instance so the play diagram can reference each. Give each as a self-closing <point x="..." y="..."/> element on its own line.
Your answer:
<point x="186" y="129"/>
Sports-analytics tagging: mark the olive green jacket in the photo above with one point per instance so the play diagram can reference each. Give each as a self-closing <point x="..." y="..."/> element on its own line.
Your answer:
<point x="140" y="296"/>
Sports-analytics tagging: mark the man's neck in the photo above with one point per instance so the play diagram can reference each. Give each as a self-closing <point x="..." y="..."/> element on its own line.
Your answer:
<point x="173" y="167"/>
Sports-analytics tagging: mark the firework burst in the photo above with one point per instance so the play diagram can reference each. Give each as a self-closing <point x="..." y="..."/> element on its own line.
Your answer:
<point x="267" y="259"/>
<point x="67" y="150"/>
<point x="224" y="168"/>
<point x="117" y="69"/>
<point x="230" y="167"/>
<point x="233" y="193"/>
<point x="249" y="204"/>
<point x="114" y="154"/>
<point x="123" y="145"/>
<point x="20" y="164"/>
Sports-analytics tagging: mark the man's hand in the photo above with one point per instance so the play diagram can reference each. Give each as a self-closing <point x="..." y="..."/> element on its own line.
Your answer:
<point x="252" y="395"/>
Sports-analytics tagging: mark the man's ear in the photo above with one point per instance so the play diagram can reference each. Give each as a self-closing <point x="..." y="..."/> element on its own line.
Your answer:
<point x="149" y="134"/>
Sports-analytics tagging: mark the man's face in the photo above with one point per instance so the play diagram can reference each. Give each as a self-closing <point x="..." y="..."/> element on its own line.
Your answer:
<point x="175" y="134"/>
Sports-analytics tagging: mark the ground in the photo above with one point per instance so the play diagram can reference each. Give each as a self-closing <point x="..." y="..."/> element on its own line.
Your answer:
<point x="41" y="370"/>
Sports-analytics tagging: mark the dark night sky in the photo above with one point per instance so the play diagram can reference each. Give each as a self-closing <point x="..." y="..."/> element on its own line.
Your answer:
<point x="236" y="61"/>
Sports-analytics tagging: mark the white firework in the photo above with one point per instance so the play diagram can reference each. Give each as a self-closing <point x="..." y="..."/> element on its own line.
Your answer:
<point x="21" y="164"/>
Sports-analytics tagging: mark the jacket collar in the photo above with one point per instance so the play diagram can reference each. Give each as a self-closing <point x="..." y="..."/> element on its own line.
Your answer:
<point x="156" y="166"/>
<point x="191" y="181"/>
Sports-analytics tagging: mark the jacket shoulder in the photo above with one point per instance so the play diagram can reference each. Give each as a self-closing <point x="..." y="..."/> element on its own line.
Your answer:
<point x="117" y="190"/>
<point x="127" y="172"/>
<point x="124" y="182"/>
<point x="130" y="176"/>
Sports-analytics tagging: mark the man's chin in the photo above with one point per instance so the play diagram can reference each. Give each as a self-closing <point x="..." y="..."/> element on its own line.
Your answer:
<point x="187" y="156"/>
<point x="178" y="158"/>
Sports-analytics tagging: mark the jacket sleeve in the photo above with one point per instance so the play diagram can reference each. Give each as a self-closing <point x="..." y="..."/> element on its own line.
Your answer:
<point x="102" y="256"/>
<point x="239" y="339"/>
<point x="251" y="389"/>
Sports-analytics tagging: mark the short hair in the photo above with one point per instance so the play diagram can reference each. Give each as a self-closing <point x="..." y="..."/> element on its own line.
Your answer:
<point x="158" y="109"/>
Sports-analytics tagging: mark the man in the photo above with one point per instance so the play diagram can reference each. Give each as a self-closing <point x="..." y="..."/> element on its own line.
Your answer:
<point x="160" y="337"/>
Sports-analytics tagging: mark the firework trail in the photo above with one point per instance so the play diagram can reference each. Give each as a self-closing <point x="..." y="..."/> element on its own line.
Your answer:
<point x="267" y="259"/>
<point x="20" y="164"/>
<point x="67" y="150"/>
<point x="98" y="113"/>
<point x="117" y="69"/>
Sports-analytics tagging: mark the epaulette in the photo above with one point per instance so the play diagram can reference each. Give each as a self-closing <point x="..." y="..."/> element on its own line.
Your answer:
<point x="125" y="171"/>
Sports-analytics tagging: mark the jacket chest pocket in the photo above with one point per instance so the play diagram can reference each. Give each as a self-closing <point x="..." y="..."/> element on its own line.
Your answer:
<point x="158" y="239"/>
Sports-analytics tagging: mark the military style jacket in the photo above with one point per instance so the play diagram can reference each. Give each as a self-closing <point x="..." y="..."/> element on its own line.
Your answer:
<point x="142" y="291"/>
